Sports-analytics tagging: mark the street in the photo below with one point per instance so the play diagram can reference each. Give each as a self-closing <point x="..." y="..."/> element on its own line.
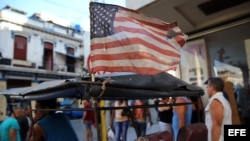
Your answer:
<point x="79" y="128"/>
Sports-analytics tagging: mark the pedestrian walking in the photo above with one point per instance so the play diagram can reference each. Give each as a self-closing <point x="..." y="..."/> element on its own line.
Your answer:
<point x="165" y="114"/>
<point x="10" y="128"/>
<point x="88" y="120"/>
<point x="182" y="114"/>
<point x="141" y="116"/>
<point x="120" y="120"/>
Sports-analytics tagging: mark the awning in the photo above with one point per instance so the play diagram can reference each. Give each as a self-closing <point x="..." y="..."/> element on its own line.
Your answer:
<point x="14" y="92"/>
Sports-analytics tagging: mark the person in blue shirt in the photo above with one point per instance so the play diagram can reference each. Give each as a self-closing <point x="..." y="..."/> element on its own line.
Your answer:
<point x="51" y="126"/>
<point x="9" y="128"/>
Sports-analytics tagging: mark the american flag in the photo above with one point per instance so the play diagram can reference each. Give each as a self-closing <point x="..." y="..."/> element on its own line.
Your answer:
<point x="125" y="40"/>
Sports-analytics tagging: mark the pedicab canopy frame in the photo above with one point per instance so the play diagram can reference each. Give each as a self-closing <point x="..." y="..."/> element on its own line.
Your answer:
<point x="113" y="86"/>
<point x="127" y="86"/>
<point x="109" y="87"/>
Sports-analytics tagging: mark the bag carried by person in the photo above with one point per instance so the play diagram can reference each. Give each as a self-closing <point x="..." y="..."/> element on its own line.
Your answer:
<point x="111" y="134"/>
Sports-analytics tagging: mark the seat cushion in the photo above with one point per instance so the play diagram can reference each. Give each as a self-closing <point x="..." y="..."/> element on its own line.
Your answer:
<point x="193" y="132"/>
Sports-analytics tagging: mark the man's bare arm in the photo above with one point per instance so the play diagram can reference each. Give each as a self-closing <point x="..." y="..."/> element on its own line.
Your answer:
<point x="180" y="110"/>
<point x="38" y="133"/>
<point x="12" y="134"/>
<point x="216" y="109"/>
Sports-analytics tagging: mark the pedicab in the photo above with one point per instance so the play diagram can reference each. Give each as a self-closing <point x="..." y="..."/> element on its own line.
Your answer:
<point x="122" y="35"/>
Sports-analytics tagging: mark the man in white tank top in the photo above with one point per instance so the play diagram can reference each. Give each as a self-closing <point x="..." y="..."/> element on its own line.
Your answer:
<point x="218" y="110"/>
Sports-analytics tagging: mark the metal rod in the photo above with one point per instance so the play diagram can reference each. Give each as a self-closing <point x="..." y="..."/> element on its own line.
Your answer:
<point x="113" y="108"/>
<point x="220" y="28"/>
<point x="97" y="122"/>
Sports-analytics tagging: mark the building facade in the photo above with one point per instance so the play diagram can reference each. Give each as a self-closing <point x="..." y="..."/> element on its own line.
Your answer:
<point x="38" y="48"/>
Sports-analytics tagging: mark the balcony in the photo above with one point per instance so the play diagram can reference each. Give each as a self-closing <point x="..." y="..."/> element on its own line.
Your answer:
<point x="22" y="63"/>
<point x="57" y="67"/>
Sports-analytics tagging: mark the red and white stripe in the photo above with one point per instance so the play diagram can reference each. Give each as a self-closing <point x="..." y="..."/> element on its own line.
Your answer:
<point x="139" y="45"/>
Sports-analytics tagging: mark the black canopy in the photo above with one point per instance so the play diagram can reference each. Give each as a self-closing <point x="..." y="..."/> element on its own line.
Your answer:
<point x="110" y="86"/>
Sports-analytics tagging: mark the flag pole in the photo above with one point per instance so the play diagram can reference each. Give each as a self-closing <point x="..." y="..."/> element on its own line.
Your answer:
<point x="99" y="115"/>
<point x="97" y="112"/>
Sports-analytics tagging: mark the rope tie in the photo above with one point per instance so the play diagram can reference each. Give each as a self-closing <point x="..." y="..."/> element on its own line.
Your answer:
<point x="104" y="86"/>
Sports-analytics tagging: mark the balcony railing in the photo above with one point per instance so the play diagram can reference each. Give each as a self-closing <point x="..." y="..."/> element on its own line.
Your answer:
<point x="55" y="67"/>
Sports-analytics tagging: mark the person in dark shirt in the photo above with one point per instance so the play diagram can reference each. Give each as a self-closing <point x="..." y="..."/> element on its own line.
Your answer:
<point x="165" y="114"/>
<point x="51" y="126"/>
<point x="24" y="127"/>
<point x="198" y="114"/>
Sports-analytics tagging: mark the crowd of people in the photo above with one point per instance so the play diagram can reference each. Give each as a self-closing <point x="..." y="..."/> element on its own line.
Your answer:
<point x="19" y="126"/>
<point x="47" y="125"/>
<point x="172" y="117"/>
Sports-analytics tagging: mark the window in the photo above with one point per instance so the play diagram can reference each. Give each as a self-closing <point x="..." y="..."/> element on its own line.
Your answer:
<point x="20" y="47"/>
<point x="70" y="51"/>
<point x="70" y="59"/>
<point x="48" y="56"/>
